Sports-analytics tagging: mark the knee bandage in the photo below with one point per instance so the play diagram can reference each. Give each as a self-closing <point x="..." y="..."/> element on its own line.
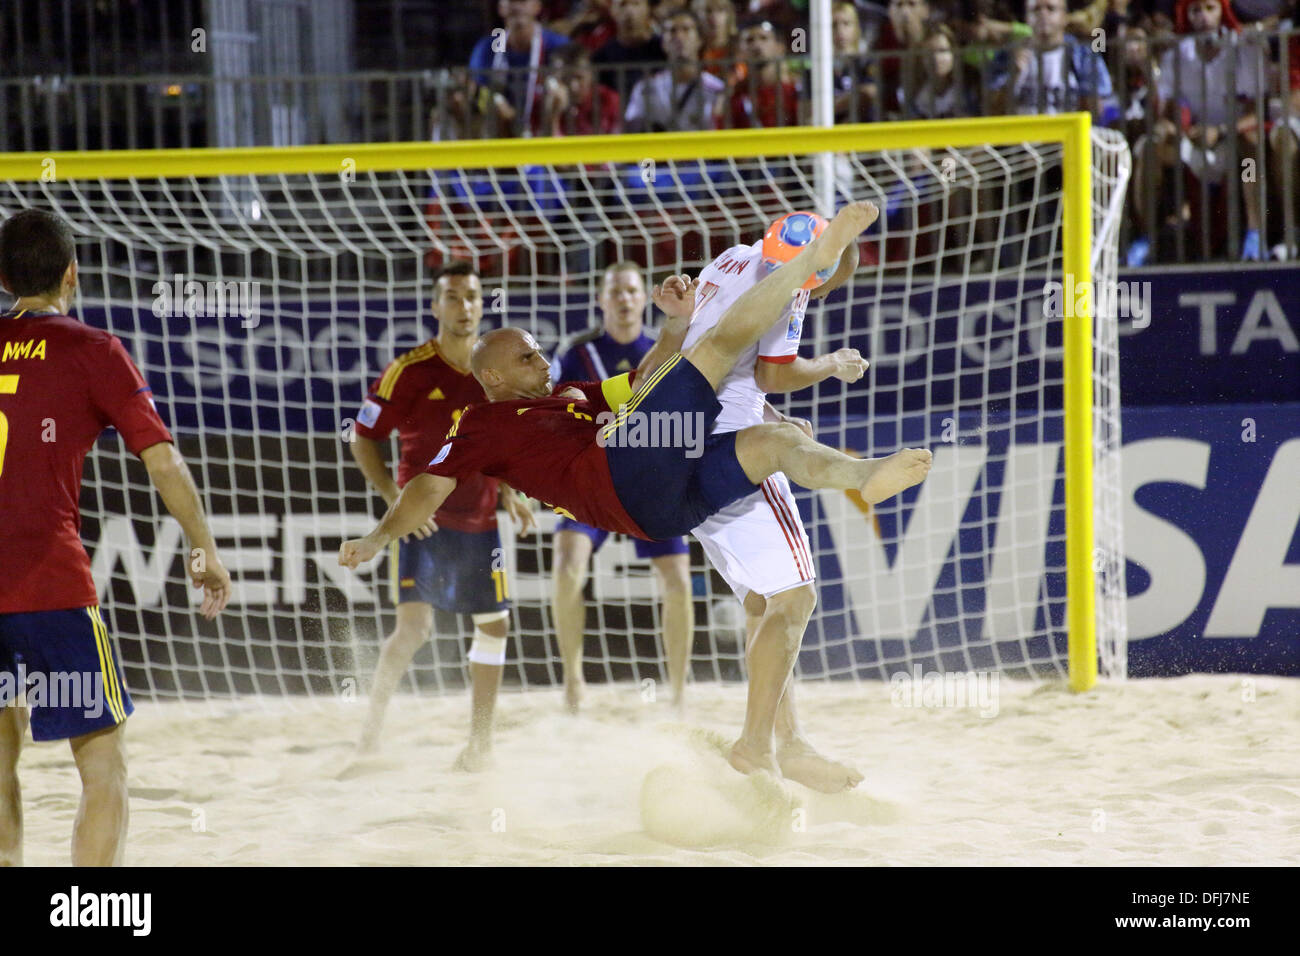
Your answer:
<point x="487" y="649"/>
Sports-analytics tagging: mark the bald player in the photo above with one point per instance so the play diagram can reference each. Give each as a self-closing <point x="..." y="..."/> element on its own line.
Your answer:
<point x="567" y="447"/>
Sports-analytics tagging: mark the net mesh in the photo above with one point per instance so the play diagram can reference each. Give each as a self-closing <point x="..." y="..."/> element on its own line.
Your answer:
<point x="260" y="307"/>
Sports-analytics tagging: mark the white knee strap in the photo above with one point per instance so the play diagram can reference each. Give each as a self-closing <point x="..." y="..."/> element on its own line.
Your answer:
<point x="485" y="648"/>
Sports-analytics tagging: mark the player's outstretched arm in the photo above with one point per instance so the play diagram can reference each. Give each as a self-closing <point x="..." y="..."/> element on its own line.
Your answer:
<point x="414" y="507"/>
<point x="847" y="365"/>
<point x="369" y="456"/>
<point x="172" y="478"/>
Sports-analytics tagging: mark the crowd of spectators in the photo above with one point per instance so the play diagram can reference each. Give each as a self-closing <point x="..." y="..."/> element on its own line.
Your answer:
<point x="1163" y="72"/>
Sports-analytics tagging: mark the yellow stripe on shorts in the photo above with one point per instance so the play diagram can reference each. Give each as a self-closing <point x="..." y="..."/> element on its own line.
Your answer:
<point x="112" y="690"/>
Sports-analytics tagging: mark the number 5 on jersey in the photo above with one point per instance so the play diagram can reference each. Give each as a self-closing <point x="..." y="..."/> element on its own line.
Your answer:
<point x="8" y="386"/>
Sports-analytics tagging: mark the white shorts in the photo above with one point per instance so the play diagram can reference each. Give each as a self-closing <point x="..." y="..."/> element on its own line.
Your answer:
<point x="758" y="543"/>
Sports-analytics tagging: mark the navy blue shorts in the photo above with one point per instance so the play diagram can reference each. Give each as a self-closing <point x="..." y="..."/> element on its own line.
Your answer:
<point x="458" y="571"/>
<point x="644" y="549"/>
<point x="670" y="487"/>
<point x="66" y="663"/>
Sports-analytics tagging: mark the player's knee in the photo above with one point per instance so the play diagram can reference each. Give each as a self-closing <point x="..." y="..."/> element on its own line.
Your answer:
<point x="792" y="608"/>
<point x="101" y="761"/>
<point x="570" y="575"/>
<point x="759" y="447"/>
<point x="414" y="625"/>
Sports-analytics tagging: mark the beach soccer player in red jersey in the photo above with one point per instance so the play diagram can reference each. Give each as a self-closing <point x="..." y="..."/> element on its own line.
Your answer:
<point x="61" y="384"/>
<point x="596" y="451"/>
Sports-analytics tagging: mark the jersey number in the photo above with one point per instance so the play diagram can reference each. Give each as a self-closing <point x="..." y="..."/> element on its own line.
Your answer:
<point x="8" y="386"/>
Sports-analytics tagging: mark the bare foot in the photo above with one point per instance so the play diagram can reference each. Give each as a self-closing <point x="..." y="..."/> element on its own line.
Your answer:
<point x="889" y="476"/>
<point x="476" y="756"/>
<point x="801" y="763"/>
<point x="749" y="760"/>
<point x="841" y="232"/>
<point x="573" y="693"/>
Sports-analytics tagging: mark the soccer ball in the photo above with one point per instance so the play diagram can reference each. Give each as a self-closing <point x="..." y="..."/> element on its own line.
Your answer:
<point x="787" y="236"/>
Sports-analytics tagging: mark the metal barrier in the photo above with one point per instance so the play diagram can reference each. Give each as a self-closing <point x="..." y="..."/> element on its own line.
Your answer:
<point x="1194" y="197"/>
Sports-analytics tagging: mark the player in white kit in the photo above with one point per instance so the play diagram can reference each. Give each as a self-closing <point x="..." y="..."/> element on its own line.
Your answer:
<point x="758" y="544"/>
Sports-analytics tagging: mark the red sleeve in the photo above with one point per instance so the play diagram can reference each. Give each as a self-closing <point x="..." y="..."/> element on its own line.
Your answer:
<point x="122" y="396"/>
<point x="377" y="416"/>
<point x="465" y="452"/>
<point x="593" y="391"/>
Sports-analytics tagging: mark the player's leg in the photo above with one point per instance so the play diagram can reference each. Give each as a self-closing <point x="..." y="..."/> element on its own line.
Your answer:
<point x="758" y="307"/>
<point x="780" y="620"/>
<point x="13" y="724"/>
<point x="770" y="656"/>
<point x="75" y="652"/>
<point x="573" y="546"/>
<point x="674" y="572"/>
<point x="99" y="832"/>
<point x="763" y="450"/>
<point x="487" y="658"/>
<point x="414" y="625"/>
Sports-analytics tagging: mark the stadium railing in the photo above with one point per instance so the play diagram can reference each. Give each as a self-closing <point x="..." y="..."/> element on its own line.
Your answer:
<point x="1185" y="223"/>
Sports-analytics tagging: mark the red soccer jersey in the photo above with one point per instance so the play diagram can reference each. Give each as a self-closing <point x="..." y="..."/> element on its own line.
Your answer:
<point x="61" y="384"/>
<point x="544" y="447"/>
<point x="421" y="394"/>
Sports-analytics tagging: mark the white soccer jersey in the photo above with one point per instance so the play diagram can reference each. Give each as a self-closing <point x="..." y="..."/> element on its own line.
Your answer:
<point x="758" y="543"/>
<point x="721" y="284"/>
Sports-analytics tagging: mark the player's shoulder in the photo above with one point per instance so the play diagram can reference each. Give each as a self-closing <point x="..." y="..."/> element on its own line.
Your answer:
<point x="579" y="339"/>
<point x="68" y="332"/>
<point x="421" y="353"/>
<point x="393" y="373"/>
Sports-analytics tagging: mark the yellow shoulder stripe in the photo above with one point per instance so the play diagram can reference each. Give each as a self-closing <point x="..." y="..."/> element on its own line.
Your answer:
<point x="399" y="364"/>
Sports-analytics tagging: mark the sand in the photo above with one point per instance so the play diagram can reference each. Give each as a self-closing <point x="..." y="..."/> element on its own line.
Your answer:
<point x="1198" y="770"/>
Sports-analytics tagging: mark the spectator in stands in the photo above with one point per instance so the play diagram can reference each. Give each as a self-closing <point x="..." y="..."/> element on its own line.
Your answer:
<point x="633" y="51"/>
<point x="1137" y="83"/>
<point x="681" y="97"/>
<point x="510" y="66"/>
<point x="718" y="19"/>
<point x="999" y="28"/>
<point x="575" y="104"/>
<point x="945" y="91"/>
<point x="898" y="52"/>
<point x="760" y="92"/>
<point x="588" y="22"/>
<point x="855" y="94"/>
<point x="1196" y="117"/>
<point x="464" y="110"/>
<point x="784" y="15"/>
<point x="1053" y="72"/>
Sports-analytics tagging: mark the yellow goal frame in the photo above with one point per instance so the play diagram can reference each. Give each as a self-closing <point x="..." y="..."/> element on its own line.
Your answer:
<point x="1072" y="130"/>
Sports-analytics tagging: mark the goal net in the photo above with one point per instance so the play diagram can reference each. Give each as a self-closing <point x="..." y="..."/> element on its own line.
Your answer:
<point x="260" y="292"/>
